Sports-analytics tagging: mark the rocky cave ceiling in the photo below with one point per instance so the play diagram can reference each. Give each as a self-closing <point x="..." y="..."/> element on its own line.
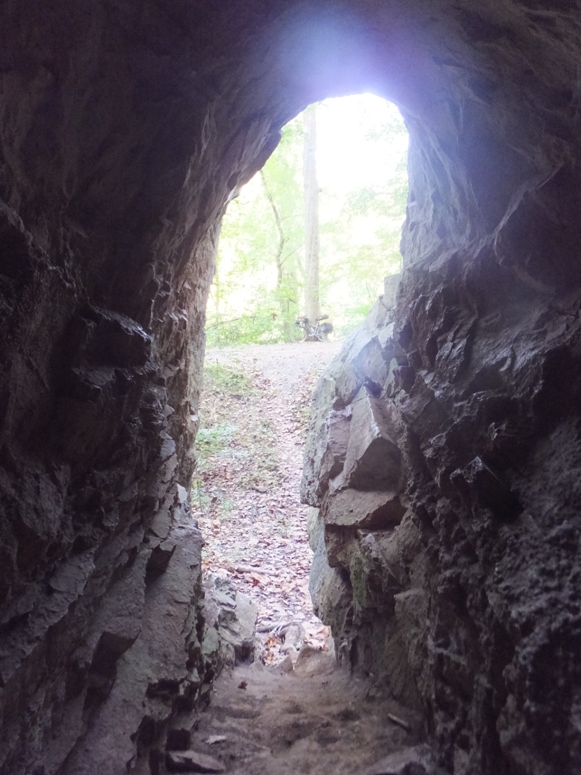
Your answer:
<point x="124" y="127"/>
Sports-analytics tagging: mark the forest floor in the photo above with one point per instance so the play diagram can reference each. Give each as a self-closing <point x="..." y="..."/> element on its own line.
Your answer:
<point x="254" y="417"/>
<point x="293" y="711"/>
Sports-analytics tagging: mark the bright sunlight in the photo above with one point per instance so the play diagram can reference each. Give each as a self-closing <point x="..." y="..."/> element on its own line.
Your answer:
<point x="262" y="278"/>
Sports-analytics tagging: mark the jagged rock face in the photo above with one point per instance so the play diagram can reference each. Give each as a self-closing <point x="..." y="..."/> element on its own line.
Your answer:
<point x="470" y="604"/>
<point x="124" y="128"/>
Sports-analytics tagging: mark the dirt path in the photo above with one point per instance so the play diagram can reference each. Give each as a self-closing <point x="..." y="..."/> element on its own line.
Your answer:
<point x="292" y="712"/>
<point x="254" y="415"/>
<point x="316" y="720"/>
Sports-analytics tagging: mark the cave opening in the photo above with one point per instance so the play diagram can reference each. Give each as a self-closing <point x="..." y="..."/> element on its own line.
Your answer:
<point x="256" y="396"/>
<point x="263" y="278"/>
<point x="125" y="127"/>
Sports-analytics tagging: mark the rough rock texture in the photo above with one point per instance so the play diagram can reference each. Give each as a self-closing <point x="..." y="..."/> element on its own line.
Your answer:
<point x="230" y="626"/>
<point x="467" y="602"/>
<point x="124" y="128"/>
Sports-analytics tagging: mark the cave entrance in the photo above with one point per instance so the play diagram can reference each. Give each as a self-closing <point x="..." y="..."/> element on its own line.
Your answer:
<point x="261" y="368"/>
<point x="350" y="202"/>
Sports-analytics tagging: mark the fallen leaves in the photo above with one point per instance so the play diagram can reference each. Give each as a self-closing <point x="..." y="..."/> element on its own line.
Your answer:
<point x="246" y="499"/>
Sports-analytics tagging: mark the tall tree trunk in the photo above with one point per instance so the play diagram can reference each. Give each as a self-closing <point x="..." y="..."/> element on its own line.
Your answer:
<point x="311" y="187"/>
<point x="285" y="276"/>
<point x="217" y="293"/>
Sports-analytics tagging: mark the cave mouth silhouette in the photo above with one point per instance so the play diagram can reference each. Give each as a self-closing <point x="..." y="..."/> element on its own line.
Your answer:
<point x="125" y="129"/>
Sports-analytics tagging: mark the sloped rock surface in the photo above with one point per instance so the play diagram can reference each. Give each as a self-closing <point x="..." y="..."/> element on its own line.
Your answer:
<point x="425" y="601"/>
<point x="362" y="509"/>
<point x="372" y="460"/>
<point x="192" y="761"/>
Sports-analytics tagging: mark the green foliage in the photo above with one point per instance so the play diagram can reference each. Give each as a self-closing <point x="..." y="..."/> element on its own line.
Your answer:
<point x="258" y="287"/>
<point x="247" y="329"/>
<point x="210" y="441"/>
<point x="221" y="379"/>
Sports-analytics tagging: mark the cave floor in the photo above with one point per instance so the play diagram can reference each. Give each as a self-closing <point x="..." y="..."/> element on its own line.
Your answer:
<point x="313" y="720"/>
<point x="293" y="711"/>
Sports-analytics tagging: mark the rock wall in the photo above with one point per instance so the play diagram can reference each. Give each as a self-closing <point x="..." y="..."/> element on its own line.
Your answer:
<point x="124" y="128"/>
<point x="444" y="449"/>
<point x="115" y="161"/>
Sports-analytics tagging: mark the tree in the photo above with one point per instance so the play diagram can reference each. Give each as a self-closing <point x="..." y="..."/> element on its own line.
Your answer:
<point x="257" y="286"/>
<point x="280" y="180"/>
<point x="311" y="189"/>
<point x="354" y="222"/>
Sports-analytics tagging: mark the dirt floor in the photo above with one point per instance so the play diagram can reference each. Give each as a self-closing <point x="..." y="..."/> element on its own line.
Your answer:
<point x="293" y="711"/>
<point x="315" y="720"/>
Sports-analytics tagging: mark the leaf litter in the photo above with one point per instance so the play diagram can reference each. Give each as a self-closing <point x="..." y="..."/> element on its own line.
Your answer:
<point x="314" y="717"/>
<point x="254" y="416"/>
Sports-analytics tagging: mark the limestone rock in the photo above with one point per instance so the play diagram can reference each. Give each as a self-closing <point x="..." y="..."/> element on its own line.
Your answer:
<point x="313" y="662"/>
<point x="362" y="358"/>
<point x="416" y="760"/>
<point x="230" y="625"/>
<point x="354" y="508"/>
<point x="390" y="286"/>
<point x="329" y="588"/>
<point x="338" y="427"/>
<point x="125" y="128"/>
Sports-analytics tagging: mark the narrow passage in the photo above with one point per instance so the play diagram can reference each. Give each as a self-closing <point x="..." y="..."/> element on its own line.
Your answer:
<point x="293" y="711"/>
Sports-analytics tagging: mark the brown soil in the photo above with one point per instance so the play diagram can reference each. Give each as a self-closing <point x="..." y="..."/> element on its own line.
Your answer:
<point x="316" y="720"/>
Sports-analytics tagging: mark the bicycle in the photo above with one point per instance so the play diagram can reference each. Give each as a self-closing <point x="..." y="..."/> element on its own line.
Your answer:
<point x="314" y="332"/>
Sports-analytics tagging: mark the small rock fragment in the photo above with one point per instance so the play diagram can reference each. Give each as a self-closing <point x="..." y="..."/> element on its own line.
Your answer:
<point x="399" y="722"/>
<point x="214" y="739"/>
<point x="192" y="761"/>
<point x="416" y="760"/>
<point x="294" y="637"/>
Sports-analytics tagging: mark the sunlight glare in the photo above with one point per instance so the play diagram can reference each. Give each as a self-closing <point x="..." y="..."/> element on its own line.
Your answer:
<point x="361" y="174"/>
<point x="347" y="156"/>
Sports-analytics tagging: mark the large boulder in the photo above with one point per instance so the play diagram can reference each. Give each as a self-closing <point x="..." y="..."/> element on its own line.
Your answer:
<point x="373" y="459"/>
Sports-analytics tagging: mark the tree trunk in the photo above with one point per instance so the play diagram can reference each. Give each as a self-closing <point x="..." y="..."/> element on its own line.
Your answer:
<point x="285" y="276"/>
<point x="311" y="187"/>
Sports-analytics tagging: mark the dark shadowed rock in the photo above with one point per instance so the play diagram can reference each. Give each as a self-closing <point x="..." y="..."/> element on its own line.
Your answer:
<point x="416" y="760"/>
<point x="125" y="127"/>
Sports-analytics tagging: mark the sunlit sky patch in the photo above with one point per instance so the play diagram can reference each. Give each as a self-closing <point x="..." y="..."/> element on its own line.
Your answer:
<point x="347" y="156"/>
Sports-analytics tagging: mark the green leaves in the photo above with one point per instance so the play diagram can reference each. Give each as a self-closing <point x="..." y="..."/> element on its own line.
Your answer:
<point x="258" y="288"/>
